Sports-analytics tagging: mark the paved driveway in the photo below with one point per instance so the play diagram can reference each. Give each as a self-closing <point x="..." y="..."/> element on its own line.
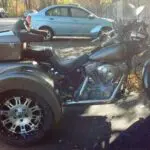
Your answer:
<point x="7" y="23"/>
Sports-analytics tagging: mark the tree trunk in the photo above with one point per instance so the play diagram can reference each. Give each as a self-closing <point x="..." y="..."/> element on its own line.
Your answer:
<point x="29" y="4"/>
<point x="4" y="3"/>
<point x="16" y="7"/>
<point x="55" y="2"/>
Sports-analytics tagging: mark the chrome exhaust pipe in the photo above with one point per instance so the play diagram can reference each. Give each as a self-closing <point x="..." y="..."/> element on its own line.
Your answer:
<point x="92" y="102"/>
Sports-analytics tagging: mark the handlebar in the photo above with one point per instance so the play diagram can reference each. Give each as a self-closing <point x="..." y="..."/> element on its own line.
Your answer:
<point x="108" y="34"/>
<point x="123" y="33"/>
<point x="110" y="41"/>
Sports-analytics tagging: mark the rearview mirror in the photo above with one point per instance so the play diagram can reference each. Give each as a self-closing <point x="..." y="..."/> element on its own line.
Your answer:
<point x="132" y="6"/>
<point x="139" y="10"/>
<point x="136" y="11"/>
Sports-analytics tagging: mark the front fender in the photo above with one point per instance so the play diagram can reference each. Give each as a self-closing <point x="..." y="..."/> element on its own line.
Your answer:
<point x="30" y="78"/>
<point x="95" y="31"/>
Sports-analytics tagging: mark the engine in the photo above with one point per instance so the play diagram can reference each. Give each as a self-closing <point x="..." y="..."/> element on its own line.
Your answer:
<point x="102" y="80"/>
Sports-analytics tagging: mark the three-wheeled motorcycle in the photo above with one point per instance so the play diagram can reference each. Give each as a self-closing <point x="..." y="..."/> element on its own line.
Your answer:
<point x="32" y="93"/>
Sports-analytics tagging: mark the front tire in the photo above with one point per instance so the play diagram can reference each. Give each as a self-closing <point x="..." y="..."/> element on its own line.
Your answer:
<point x="25" y="118"/>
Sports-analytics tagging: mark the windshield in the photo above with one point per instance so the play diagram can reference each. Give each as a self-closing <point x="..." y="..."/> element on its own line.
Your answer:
<point x="132" y="12"/>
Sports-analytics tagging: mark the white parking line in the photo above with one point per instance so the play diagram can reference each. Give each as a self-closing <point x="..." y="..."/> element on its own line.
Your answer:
<point x="8" y="20"/>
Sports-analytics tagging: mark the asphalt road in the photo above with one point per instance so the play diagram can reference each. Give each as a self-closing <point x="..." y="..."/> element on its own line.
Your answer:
<point x="81" y="128"/>
<point x="7" y="23"/>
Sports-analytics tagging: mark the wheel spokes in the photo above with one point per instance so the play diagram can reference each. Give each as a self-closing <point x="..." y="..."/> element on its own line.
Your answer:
<point x="27" y="102"/>
<point x="4" y="112"/>
<point x="32" y="126"/>
<point x="36" y="118"/>
<point x="17" y="100"/>
<point x="9" y="105"/>
<point x="13" y="128"/>
<point x="34" y="108"/>
<point x="20" y="115"/>
<point x="6" y="121"/>
<point x="48" y="36"/>
<point x="23" y="129"/>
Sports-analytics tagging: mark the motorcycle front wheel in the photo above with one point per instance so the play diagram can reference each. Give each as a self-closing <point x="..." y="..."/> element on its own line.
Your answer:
<point x="25" y="118"/>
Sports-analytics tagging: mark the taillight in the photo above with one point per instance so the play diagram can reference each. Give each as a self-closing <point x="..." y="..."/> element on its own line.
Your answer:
<point x="28" y="19"/>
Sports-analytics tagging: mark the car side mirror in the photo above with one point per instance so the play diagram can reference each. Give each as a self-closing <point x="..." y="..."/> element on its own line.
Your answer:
<point x="91" y="16"/>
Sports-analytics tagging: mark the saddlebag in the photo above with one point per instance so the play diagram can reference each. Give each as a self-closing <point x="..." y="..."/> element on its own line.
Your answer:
<point x="10" y="46"/>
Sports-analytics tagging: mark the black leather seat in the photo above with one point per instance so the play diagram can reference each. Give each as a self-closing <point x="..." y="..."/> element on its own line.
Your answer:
<point x="62" y="64"/>
<point x="67" y="65"/>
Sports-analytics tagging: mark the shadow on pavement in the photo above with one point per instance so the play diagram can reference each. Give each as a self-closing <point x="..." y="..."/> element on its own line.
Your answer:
<point x="136" y="137"/>
<point x="77" y="132"/>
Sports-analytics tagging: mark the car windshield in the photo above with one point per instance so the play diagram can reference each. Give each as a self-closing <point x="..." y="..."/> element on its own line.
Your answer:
<point x="133" y="12"/>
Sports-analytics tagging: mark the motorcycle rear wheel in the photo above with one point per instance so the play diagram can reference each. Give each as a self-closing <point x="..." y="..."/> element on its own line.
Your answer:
<point x="25" y="118"/>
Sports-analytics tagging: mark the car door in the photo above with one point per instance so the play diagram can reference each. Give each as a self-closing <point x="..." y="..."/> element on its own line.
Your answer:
<point x="83" y="20"/>
<point x="59" y="20"/>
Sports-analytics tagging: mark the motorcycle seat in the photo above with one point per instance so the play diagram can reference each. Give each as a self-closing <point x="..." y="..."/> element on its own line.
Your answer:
<point x="68" y="65"/>
<point x="63" y="64"/>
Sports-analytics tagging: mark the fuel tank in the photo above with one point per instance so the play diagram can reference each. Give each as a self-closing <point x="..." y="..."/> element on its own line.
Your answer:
<point x="113" y="53"/>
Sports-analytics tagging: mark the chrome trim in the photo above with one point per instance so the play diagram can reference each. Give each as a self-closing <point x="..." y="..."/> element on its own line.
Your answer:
<point x="83" y="86"/>
<point x="111" y="99"/>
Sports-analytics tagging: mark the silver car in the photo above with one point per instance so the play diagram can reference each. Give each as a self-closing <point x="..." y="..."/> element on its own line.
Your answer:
<point x="68" y="20"/>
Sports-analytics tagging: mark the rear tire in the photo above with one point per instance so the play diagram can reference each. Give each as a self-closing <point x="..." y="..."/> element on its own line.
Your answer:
<point x="49" y="35"/>
<point x="25" y="118"/>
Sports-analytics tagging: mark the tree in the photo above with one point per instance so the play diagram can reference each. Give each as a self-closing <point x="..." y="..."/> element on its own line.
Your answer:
<point x="105" y="1"/>
<point x="27" y="4"/>
<point x="4" y="3"/>
<point x="55" y="2"/>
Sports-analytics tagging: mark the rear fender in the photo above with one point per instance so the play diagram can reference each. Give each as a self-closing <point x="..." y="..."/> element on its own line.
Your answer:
<point x="21" y="76"/>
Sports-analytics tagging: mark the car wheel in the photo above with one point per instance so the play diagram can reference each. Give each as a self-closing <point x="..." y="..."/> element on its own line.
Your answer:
<point x="49" y="33"/>
<point x="25" y="118"/>
<point x="102" y="34"/>
<point x="1" y="16"/>
<point x="6" y="16"/>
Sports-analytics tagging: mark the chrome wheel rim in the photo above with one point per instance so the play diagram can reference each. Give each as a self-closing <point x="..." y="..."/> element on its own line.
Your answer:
<point x="20" y="115"/>
<point x="49" y="35"/>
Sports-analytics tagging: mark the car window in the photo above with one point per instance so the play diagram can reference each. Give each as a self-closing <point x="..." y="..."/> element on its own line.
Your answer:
<point x="64" y="11"/>
<point x="79" y="13"/>
<point x="57" y="12"/>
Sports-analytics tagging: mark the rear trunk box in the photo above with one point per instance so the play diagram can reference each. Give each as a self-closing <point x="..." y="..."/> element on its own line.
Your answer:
<point x="10" y="46"/>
